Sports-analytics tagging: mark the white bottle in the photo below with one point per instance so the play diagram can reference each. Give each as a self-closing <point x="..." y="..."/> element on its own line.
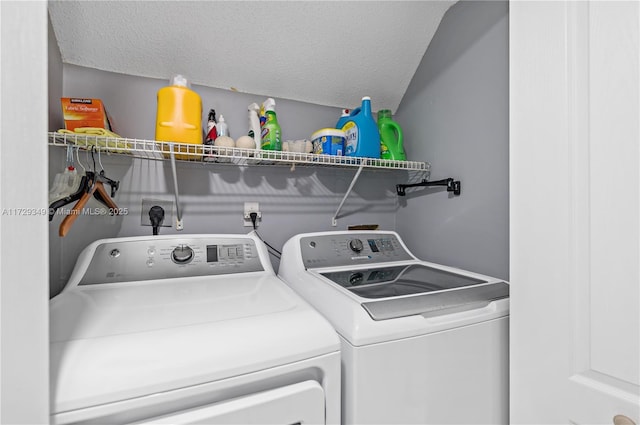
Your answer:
<point x="254" y="124"/>
<point x="221" y="127"/>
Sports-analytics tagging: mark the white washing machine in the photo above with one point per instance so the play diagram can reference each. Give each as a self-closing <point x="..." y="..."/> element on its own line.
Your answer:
<point x="421" y="342"/>
<point x="188" y="329"/>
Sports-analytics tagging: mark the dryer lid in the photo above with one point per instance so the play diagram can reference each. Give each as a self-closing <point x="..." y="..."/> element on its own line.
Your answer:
<point x="98" y="311"/>
<point x="116" y="342"/>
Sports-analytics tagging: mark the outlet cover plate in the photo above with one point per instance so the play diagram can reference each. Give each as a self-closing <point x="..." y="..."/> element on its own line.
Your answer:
<point x="250" y="207"/>
<point x="168" y="212"/>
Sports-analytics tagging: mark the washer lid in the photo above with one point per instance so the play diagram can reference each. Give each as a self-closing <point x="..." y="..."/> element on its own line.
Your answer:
<point x="114" y="342"/>
<point x="393" y="281"/>
<point x="438" y="303"/>
<point x="405" y="290"/>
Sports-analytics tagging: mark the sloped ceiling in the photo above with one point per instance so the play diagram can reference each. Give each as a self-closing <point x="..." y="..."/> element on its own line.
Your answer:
<point x="323" y="52"/>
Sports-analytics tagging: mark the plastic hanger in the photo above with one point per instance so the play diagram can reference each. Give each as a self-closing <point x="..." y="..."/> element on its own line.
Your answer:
<point x="67" y="182"/>
<point x="68" y="221"/>
<point x="72" y="196"/>
<point x="56" y="186"/>
<point x="93" y="186"/>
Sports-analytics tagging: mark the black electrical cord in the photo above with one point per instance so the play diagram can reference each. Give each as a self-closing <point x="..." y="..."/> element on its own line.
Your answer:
<point x="272" y="250"/>
<point x="156" y="215"/>
<point x="254" y="218"/>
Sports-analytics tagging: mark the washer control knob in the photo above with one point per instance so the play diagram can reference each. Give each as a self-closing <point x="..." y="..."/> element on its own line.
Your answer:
<point x="182" y="254"/>
<point x="355" y="245"/>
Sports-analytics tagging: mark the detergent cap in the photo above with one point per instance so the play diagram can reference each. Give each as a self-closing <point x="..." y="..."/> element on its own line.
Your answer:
<point x="269" y="104"/>
<point x="180" y="81"/>
<point x="384" y="113"/>
<point x="366" y="106"/>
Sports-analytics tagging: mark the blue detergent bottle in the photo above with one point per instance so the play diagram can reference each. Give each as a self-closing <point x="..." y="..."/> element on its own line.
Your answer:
<point x="361" y="132"/>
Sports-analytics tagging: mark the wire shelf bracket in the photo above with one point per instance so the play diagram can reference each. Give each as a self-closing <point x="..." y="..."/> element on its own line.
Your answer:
<point x="334" y="219"/>
<point x="179" y="223"/>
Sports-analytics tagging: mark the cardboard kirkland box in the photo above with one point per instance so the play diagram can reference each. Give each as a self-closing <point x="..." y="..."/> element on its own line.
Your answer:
<point x="78" y="112"/>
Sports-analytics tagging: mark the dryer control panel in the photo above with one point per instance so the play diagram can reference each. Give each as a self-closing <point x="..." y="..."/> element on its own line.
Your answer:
<point x="351" y="248"/>
<point x="158" y="258"/>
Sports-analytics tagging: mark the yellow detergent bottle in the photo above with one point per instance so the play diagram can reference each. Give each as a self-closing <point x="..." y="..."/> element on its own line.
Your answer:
<point x="179" y="117"/>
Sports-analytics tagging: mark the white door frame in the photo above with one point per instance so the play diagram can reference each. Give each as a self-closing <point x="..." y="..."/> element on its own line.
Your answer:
<point x="24" y="240"/>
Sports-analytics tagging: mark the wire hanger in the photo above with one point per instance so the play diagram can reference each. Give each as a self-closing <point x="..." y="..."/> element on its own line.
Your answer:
<point x="78" y="157"/>
<point x="102" y="175"/>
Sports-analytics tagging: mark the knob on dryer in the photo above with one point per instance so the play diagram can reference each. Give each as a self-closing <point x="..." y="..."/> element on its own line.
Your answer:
<point x="355" y="245"/>
<point x="182" y="254"/>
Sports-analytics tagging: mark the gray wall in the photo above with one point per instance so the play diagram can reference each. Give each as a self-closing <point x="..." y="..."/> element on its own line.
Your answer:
<point x="455" y="116"/>
<point x="291" y="200"/>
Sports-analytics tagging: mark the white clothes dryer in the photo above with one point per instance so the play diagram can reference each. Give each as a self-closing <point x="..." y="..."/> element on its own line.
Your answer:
<point x="421" y="342"/>
<point x="188" y="329"/>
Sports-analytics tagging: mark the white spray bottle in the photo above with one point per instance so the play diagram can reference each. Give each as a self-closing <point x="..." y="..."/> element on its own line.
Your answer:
<point x="221" y="127"/>
<point x="254" y="124"/>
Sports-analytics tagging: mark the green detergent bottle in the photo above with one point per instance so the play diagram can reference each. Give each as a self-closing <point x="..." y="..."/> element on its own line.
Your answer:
<point x="390" y="137"/>
<point x="271" y="134"/>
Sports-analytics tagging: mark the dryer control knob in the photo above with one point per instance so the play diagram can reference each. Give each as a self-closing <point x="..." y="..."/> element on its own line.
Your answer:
<point x="182" y="254"/>
<point x="355" y="245"/>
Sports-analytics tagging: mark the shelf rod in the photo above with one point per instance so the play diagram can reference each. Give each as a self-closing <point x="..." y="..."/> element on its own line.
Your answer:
<point x="334" y="221"/>
<point x="179" y="224"/>
<point x="451" y="184"/>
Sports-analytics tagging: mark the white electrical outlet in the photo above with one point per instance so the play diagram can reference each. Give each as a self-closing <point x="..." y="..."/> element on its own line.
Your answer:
<point x="251" y="207"/>
<point x="167" y="206"/>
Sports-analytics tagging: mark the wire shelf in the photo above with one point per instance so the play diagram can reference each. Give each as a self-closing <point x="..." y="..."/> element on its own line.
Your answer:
<point x="155" y="150"/>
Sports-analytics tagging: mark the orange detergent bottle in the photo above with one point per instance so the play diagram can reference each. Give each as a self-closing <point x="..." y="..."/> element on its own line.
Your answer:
<point x="179" y="117"/>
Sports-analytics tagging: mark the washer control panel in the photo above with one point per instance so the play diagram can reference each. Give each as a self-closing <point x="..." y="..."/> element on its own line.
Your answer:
<point x="351" y="248"/>
<point x="157" y="258"/>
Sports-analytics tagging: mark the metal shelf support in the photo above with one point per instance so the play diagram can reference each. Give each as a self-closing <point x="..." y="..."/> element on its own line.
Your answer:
<point x="334" y="221"/>
<point x="179" y="224"/>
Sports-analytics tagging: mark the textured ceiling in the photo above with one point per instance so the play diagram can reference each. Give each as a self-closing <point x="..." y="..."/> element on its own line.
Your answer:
<point x="323" y="52"/>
